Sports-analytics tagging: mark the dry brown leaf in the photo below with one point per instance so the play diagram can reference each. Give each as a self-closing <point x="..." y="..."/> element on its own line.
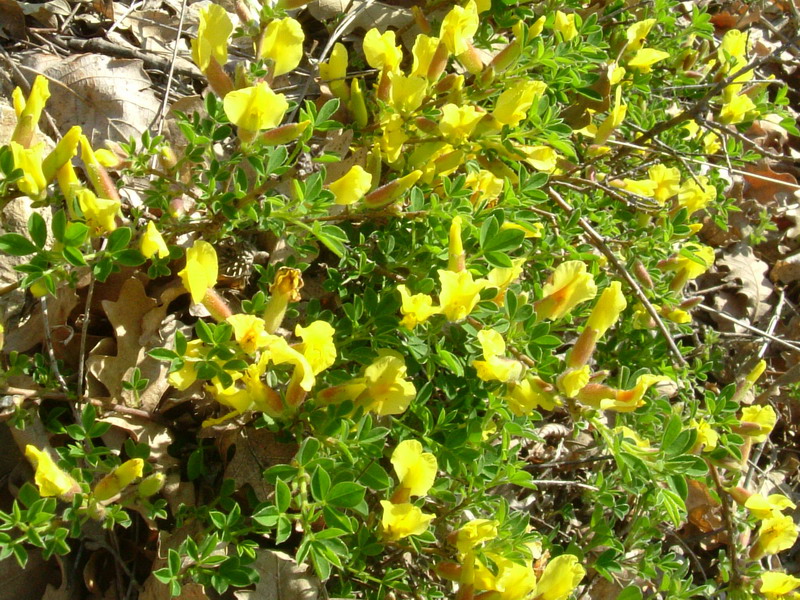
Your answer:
<point x="32" y="581"/>
<point x="745" y="268"/>
<point x="255" y="451"/>
<point x="703" y="510"/>
<point x="110" y="98"/>
<point x="787" y="271"/>
<point x="12" y="20"/>
<point x="281" y="578"/>
<point x="125" y="316"/>
<point x="763" y="183"/>
<point x="31" y="334"/>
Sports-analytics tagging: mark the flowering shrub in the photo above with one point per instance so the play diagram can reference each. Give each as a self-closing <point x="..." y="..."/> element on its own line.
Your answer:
<point x="504" y="243"/>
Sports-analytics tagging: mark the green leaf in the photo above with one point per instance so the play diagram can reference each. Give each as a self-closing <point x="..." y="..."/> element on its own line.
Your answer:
<point x="59" y="225"/>
<point x="327" y="110"/>
<point x="504" y="241"/>
<point x="38" y="229"/>
<point x="332" y="236"/>
<point x="630" y="593"/>
<point x="129" y="258"/>
<point x="283" y="495"/>
<point x="346" y="494"/>
<point x="75" y="234"/>
<point x="73" y="256"/>
<point x="118" y="239"/>
<point x="320" y="484"/>
<point x="16" y="245"/>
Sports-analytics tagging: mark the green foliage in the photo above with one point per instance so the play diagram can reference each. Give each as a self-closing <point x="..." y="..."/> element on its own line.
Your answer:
<point x="465" y="294"/>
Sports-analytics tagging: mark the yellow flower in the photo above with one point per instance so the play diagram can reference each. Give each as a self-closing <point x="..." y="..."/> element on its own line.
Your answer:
<point x="201" y="270"/>
<point x="734" y="46"/>
<point x="687" y="268"/>
<point x="608" y="309"/>
<point x="762" y="416"/>
<point x="485" y="186"/>
<point x="425" y="57"/>
<point x="50" y="480"/>
<point x="455" y="249"/>
<point x="474" y="533"/>
<point x="531" y="230"/>
<point x="645" y="58"/>
<point x="402" y="520"/>
<point x="763" y="508"/>
<point x="29" y="111"/>
<point x="569" y="285"/>
<point x="334" y="71"/>
<point x="514" y="581"/>
<point x="152" y="243"/>
<point x="406" y="93"/>
<point x="541" y="158"/>
<point x="755" y="374"/>
<point x="317" y="346"/>
<point x="100" y="213"/>
<point x="496" y="367"/>
<point x="285" y="288"/>
<point x="695" y="195"/>
<point x="637" y="32"/>
<point x="736" y="110"/>
<point x="572" y="381"/>
<point x="381" y="50"/>
<point x="706" y="436"/>
<point x="279" y="352"/>
<point x="458" y="122"/>
<point x="212" y="37"/>
<point x="630" y="400"/>
<point x="415" y="469"/>
<point x="529" y="394"/>
<point x="120" y="478"/>
<point x="63" y="152"/>
<point x="416" y="308"/>
<point x="614" y="119"/>
<point x="667" y="180"/>
<point x="778" y="586"/>
<point x="255" y="108"/>
<point x="459" y="26"/>
<point x="387" y="390"/>
<point x="282" y="43"/>
<point x="352" y="186"/>
<point x="460" y="293"/>
<point x="249" y="332"/>
<point x="502" y="277"/>
<point x="393" y="137"/>
<point x="560" y="578"/>
<point x="33" y="182"/>
<point x="777" y="533"/>
<point x="565" y="25"/>
<point x="537" y="27"/>
<point x="514" y="103"/>
<point x="186" y="375"/>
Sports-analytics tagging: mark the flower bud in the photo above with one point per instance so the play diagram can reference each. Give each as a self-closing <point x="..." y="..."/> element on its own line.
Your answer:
<point x="392" y="191"/>
<point x="284" y="134"/>
<point x="150" y="485"/>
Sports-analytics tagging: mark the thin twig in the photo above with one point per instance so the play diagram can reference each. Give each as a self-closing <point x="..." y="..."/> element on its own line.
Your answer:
<point x="49" y="344"/>
<point x="546" y="482"/>
<point x="118" y="408"/>
<point x="700" y="105"/>
<point x="733" y="555"/>
<point x="760" y="332"/>
<point x="601" y="245"/>
<point x="170" y="75"/>
<point x="773" y="322"/>
<point x="85" y="329"/>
